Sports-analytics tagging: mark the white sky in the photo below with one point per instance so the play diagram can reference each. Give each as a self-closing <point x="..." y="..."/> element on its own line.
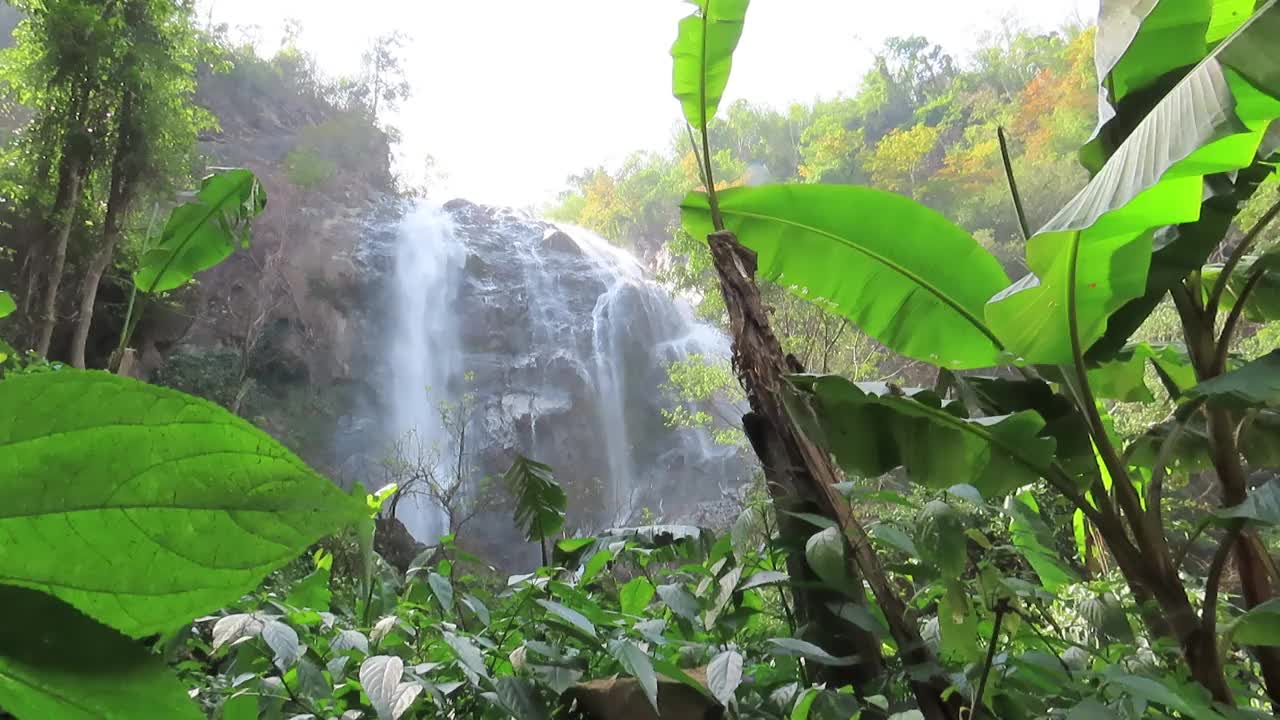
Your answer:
<point x="513" y="96"/>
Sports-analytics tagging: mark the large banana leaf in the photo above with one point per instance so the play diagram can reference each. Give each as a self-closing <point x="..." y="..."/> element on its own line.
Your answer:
<point x="1254" y="385"/>
<point x="703" y="55"/>
<point x="1263" y="303"/>
<point x="872" y="428"/>
<point x="1140" y="47"/>
<point x="1096" y="252"/>
<point x="1125" y="377"/>
<point x="901" y="272"/>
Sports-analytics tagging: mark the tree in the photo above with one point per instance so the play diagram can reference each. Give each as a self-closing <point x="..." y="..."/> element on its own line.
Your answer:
<point x="155" y="129"/>
<point x="384" y="72"/>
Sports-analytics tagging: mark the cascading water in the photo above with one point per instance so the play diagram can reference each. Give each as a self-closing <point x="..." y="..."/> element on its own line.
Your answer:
<point x="564" y="343"/>
<point x="424" y="351"/>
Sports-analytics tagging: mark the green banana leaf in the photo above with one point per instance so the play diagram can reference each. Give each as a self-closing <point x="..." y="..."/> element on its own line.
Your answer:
<point x="1263" y="304"/>
<point x="901" y="272"/>
<point x="1141" y="48"/>
<point x="872" y="428"/>
<point x="703" y="56"/>
<point x="1257" y="384"/>
<point x="1096" y="252"/>
<point x="1125" y="377"/>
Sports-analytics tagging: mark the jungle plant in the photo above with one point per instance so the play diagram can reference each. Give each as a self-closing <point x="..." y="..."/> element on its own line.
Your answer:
<point x="1193" y="91"/>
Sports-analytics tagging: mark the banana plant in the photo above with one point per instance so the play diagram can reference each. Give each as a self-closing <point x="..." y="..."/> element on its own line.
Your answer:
<point x="1191" y="98"/>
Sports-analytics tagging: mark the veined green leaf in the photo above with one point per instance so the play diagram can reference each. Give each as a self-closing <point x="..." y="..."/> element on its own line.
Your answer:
<point x="1263" y="303"/>
<point x="144" y="507"/>
<point x="1125" y="377"/>
<point x="7" y="305"/>
<point x="1096" y="252"/>
<point x="636" y="595"/>
<point x="1261" y="505"/>
<point x="1138" y="43"/>
<point x="638" y="665"/>
<point x="1259" y="626"/>
<point x="703" y="57"/>
<point x="1257" y="384"/>
<point x="202" y="233"/>
<point x="57" y="663"/>
<point x="901" y="272"/>
<point x="540" y="501"/>
<point x="871" y="429"/>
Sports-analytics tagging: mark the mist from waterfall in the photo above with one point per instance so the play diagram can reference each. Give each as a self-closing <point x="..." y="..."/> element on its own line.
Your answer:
<point x="567" y="341"/>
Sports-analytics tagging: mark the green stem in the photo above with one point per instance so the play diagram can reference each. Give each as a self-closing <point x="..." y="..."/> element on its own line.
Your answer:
<point x="1001" y="608"/>
<point x="1220" y="287"/>
<point x="1126" y="493"/>
<point x="126" y="332"/>
<point x="713" y="200"/>
<point x="1013" y="185"/>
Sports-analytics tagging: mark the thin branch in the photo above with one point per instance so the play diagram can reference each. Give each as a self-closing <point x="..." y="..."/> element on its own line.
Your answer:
<point x="1233" y="320"/>
<point x="1001" y="608"/>
<point x="1013" y="185"/>
<point x="1209" y="613"/>
<point x="1246" y="244"/>
<point x="1191" y="541"/>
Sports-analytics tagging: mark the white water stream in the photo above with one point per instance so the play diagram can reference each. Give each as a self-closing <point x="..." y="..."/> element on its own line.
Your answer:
<point x="593" y="317"/>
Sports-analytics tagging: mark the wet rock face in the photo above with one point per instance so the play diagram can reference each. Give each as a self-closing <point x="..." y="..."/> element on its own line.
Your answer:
<point x="562" y="343"/>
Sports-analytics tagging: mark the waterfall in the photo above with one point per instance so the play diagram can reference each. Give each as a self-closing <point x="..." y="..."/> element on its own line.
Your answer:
<point x="424" y="353"/>
<point x="564" y="342"/>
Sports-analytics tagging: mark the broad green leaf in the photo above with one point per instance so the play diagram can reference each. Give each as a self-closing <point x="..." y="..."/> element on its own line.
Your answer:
<point x="1259" y="626"/>
<point x="540" y="501"/>
<point x="312" y="592"/>
<point x="872" y="428"/>
<point x="520" y="698"/>
<point x="824" y="552"/>
<point x="1034" y="540"/>
<point x="1107" y="617"/>
<point x="7" y="305"/>
<point x="901" y="272"/>
<point x="468" y="655"/>
<point x="1154" y="691"/>
<point x="574" y="618"/>
<point x="202" y="233"/>
<point x="380" y="678"/>
<point x="1261" y="505"/>
<point x="1263" y="304"/>
<point x="443" y="590"/>
<point x="1180" y="249"/>
<point x="1125" y="377"/>
<point x="57" y="663"/>
<point x="703" y="57"/>
<point x="1138" y="43"/>
<point x="680" y="601"/>
<point x="1097" y="250"/>
<point x="794" y="647"/>
<point x="763" y="578"/>
<point x="894" y="537"/>
<point x="724" y="675"/>
<point x="1257" y="384"/>
<point x="636" y="595"/>
<point x="939" y="535"/>
<point x="144" y="507"/>
<point x="284" y="643"/>
<point x="639" y="666"/>
<point x="349" y="640"/>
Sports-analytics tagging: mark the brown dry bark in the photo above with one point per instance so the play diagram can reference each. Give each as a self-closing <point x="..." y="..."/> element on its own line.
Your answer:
<point x="803" y="470"/>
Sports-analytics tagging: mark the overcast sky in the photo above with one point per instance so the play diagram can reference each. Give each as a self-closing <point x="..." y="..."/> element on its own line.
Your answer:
<point x="512" y="96"/>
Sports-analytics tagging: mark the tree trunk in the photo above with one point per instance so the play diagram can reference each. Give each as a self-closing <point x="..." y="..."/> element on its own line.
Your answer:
<point x="802" y="469"/>
<point x="123" y="174"/>
<point x="1255" y="579"/>
<point x="53" y="279"/>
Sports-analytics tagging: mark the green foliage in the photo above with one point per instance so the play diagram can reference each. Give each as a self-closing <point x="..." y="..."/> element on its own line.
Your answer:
<point x="202" y="233"/>
<point x="57" y="663"/>
<point x="118" y="447"/>
<point x="539" y="500"/>
<point x="922" y="300"/>
<point x="7" y="306"/>
<point x="703" y="54"/>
